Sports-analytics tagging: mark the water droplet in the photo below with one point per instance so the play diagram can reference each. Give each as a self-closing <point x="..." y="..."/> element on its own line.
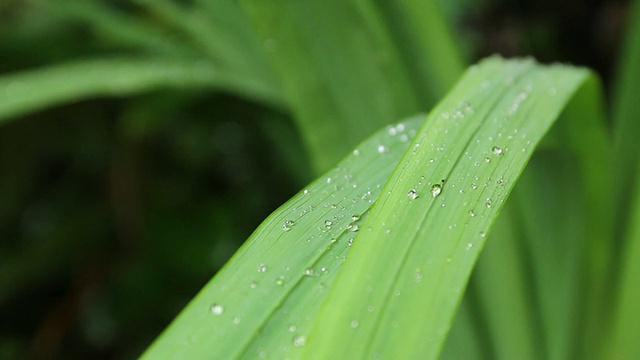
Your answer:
<point x="353" y="227"/>
<point x="216" y="309"/>
<point x="262" y="268"/>
<point x="354" y="324"/>
<point x="350" y="242"/>
<point x="370" y="308"/>
<point x="497" y="150"/>
<point x="279" y="281"/>
<point x="482" y="234"/>
<point x="382" y="149"/>
<point x="448" y="260"/>
<point x="487" y="159"/>
<point x="328" y="223"/>
<point x="329" y="180"/>
<point x="323" y="269"/>
<point x="355" y="217"/>
<point x="413" y="194"/>
<point x="418" y="275"/>
<point x="469" y="246"/>
<point x="472" y="213"/>
<point x="305" y="191"/>
<point x="436" y="189"/>
<point x="488" y="202"/>
<point x="235" y="321"/>
<point x="474" y="186"/>
<point x="308" y="272"/>
<point x="299" y="341"/>
<point x="253" y="285"/>
<point x="356" y="152"/>
<point x="287" y="225"/>
<point x="292" y="328"/>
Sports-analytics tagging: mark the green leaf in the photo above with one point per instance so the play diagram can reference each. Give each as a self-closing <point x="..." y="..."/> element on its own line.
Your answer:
<point x="428" y="49"/>
<point x="270" y="289"/>
<point x="626" y="318"/>
<point x="339" y="70"/>
<point x="296" y="289"/>
<point x="30" y="91"/>
<point x="400" y="286"/>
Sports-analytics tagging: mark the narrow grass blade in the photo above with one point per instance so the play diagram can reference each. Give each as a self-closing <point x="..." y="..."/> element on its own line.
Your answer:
<point x="398" y="290"/>
<point x="289" y="291"/>
<point x="33" y="90"/>
<point x="264" y="301"/>
<point x="466" y="340"/>
<point x="500" y="290"/>
<point x="623" y="342"/>
<point x="625" y="110"/>
<point x="219" y="30"/>
<point x="118" y="27"/>
<point x="339" y="70"/>
<point x="428" y="47"/>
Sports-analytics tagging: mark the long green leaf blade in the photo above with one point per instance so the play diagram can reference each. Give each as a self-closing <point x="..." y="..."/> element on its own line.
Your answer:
<point x="265" y="299"/>
<point x="30" y="91"/>
<point x="398" y="291"/>
<point x="340" y="72"/>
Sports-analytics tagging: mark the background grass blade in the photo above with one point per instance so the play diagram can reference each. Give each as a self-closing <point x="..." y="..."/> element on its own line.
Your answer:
<point x="622" y="340"/>
<point x="118" y="27"/>
<point x="263" y="303"/>
<point x="339" y="70"/>
<point x="33" y="90"/>
<point x="409" y="266"/>
<point x="428" y="49"/>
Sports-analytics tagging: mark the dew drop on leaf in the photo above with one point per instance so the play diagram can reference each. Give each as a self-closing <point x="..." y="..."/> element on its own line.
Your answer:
<point x="413" y="194"/>
<point x="354" y="324"/>
<point x="216" y="309"/>
<point x="436" y="189"/>
<point x="497" y="150"/>
<point x="355" y="217"/>
<point x="299" y="341"/>
<point x="262" y="268"/>
<point x="279" y="281"/>
<point x="287" y="225"/>
<point x="472" y="213"/>
<point x="382" y="149"/>
<point x="308" y="272"/>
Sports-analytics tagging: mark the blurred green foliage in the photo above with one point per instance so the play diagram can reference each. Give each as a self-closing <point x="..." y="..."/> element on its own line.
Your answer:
<point x="116" y="209"/>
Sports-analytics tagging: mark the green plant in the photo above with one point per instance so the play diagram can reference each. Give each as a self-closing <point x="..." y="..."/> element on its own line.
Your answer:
<point x="374" y="258"/>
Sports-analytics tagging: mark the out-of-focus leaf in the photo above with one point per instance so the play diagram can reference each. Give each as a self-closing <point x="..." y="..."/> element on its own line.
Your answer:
<point x="30" y="91"/>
